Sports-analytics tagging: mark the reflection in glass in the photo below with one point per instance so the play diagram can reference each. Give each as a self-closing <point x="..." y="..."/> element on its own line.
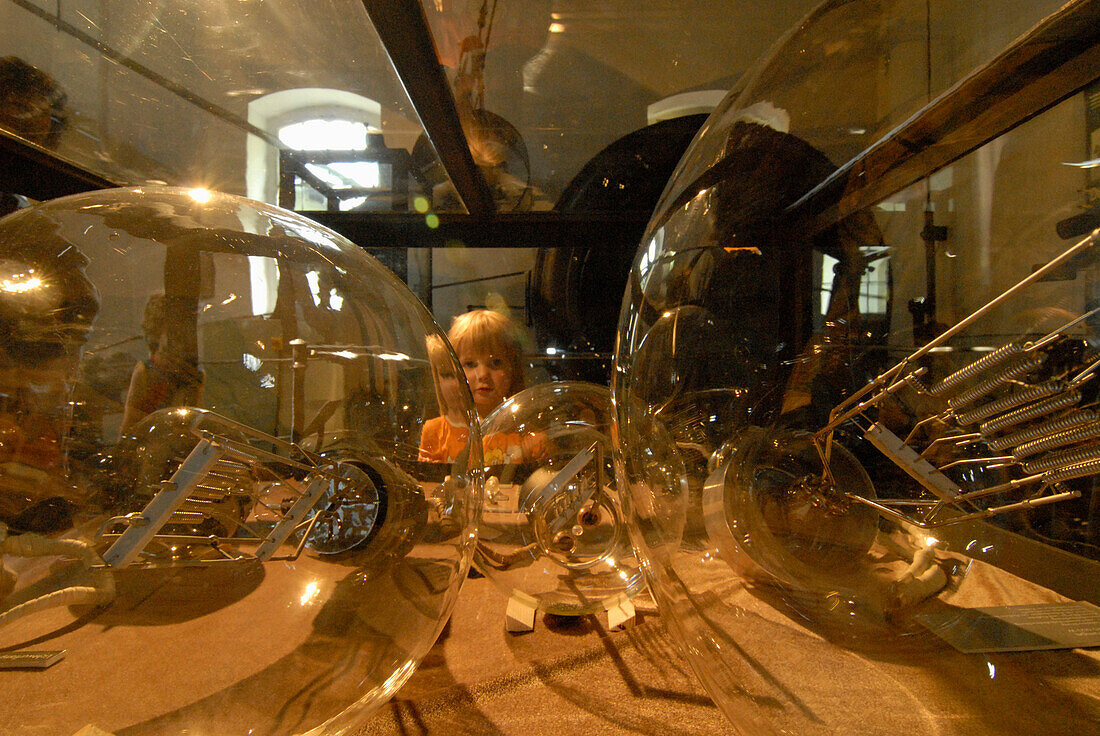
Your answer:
<point x="552" y="530"/>
<point x="208" y="470"/>
<point x="857" y="446"/>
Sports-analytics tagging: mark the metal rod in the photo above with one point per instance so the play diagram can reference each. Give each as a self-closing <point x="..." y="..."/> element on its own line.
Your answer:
<point x="961" y="325"/>
<point x="1052" y="336"/>
<point x="403" y="29"/>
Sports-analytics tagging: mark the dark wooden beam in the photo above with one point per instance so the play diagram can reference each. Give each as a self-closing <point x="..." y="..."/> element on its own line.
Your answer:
<point x="595" y="230"/>
<point x="39" y="174"/>
<point x="403" y="30"/>
<point x="1053" y="61"/>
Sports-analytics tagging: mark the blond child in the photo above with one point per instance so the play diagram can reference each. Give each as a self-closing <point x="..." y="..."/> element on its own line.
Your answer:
<point x="489" y="351"/>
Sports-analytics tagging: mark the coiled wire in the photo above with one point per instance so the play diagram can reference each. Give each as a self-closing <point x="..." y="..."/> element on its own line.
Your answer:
<point x="986" y="362"/>
<point x="1064" y="458"/>
<point x="1070" y="436"/>
<point x="1027" y="413"/>
<point x="1073" y="471"/>
<point x="1046" y="429"/>
<point x="1019" y="398"/>
<point x="1019" y="368"/>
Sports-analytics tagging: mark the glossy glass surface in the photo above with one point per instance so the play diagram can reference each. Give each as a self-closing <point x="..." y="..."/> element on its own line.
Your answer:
<point x="212" y="510"/>
<point x="199" y="94"/>
<point x="195" y="94"/>
<point x="815" y="410"/>
<point x="552" y="530"/>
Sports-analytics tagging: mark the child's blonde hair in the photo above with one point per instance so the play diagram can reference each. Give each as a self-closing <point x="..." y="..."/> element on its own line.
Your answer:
<point x="490" y="332"/>
<point x="443" y="365"/>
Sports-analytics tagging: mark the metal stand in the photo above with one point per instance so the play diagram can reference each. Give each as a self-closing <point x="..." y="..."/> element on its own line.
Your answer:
<point x="520" y="616"/>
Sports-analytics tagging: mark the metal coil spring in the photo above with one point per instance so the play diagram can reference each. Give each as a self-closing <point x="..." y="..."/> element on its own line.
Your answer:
<point x="1061" y="439"/>
<point x="1027" y="413"/>
<point x="182" y="516"/>
<point x="1031" y="393"/>
<point x="991" y="384"/>
<point x="1062" y="459"/>
<point x="1073" y="471"/>
<point x="1046" y="429"/>
<point x="995" y="358"/>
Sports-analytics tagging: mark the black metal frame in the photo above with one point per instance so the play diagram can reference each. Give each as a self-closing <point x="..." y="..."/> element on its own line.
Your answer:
<point x="292" y="164"/>
<point x="403" y="29"/>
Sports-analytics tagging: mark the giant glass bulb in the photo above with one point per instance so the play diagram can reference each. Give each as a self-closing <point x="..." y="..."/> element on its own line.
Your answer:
<point x="213" y="517"/>
<point x="855" y="395"/>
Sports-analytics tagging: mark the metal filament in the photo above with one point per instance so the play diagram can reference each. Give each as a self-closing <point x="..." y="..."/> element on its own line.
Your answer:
<point x="1027" y="413"/>
<point x="1061" y="439"/>
<point x="1013" y="400"/>
<point x="1080" y="470"/>
<point x="1046" y="429"/>
<point x="998" y="356"/>
<point x="1065" y="458"/>
<point x="1015" y="370"/>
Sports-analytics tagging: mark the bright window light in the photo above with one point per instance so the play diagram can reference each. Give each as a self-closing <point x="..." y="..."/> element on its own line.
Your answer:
<point x="325" y="135"/>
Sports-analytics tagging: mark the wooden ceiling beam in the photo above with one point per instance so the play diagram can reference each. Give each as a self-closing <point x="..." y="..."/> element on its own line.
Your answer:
<point x="403" y="29"/>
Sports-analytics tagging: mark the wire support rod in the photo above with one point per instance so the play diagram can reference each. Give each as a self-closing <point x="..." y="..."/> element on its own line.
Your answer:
<point x="842" y="411"/>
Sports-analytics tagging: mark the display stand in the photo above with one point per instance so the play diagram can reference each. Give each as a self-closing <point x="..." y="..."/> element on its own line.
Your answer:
<point x="620" y="613"/>
<point x="520" y="616"/>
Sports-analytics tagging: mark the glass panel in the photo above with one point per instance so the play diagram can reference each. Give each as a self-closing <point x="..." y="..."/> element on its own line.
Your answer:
<point x="573" y="77"/>
<point x="195" y="93"/>
<point x="870" y="442"/>
<point x="853" y="71"/>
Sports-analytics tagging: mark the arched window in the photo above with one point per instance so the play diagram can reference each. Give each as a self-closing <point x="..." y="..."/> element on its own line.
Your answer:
<point x="308" y="119"/>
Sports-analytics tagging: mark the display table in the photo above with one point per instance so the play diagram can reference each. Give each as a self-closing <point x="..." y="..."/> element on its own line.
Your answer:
<point x="572" y="676"/>
<point x="568" y="676"/>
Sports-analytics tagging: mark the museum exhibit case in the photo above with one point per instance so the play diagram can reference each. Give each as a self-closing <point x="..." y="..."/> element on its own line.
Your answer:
<point x="429" y="131"/>
<point x="552" y="534"/>
<point x="213" y="518"/>
<point x="855" y="387"/>
<point x="223" y="95"/>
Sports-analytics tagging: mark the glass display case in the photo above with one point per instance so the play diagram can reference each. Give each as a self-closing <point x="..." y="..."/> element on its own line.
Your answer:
<point x="855" y="382"/>
<point x="209" y="472"/>
<point x="217" y="94"/>
<point x="802" y="481"/>
<point x="444" y="127"/>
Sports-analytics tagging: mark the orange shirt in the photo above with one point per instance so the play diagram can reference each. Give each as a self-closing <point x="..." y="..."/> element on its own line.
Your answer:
<point x="442" y="442"/>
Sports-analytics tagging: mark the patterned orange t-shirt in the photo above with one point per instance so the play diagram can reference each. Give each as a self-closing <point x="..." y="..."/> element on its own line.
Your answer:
<point x="442" y="442"/>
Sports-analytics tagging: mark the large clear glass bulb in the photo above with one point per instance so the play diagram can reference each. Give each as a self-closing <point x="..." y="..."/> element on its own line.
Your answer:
<point x="552" y="530"/>
<point x="213" y="517"/>
<point x="855" y="402"/>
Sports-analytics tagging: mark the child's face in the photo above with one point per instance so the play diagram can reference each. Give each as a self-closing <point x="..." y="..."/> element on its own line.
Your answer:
<point x="490" y="378"/>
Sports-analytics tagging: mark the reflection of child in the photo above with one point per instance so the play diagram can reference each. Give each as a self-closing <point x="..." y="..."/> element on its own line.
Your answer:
<point x="488" y="348"/>
<point x="444" y="437"/>
<point x="164" y="379"/>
